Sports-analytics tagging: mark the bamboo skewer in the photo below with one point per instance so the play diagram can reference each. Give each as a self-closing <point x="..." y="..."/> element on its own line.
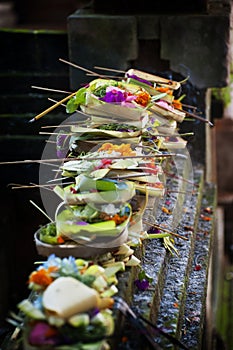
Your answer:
<point x="49" y="89"/>
<point x="110" y="69"/>
<point x="36" y="206"/>
<point x="103" y="76"/>
<point x="52" y="100"/>
<point x="196" y="117"/>
<point x="57" y="126"/>
<point x="180" y="178"/>
<point x="38" y="116"/>
<point x="181" y="192"/>
<point x="87" y="158"/>
<point x="45" y="186"/>
<point x="77" y="66"/>
<point x="77" y="111"/>
<point x="174" y="135"/>
<point x="54" y="133"/>
<point x="165" y="230"/>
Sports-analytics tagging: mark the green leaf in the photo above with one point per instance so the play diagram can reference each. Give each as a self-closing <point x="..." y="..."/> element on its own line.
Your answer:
<point x="30" y="310"/>
<point x="99" y="173"/>
<point x="124" y="164"/>
<point x="73" y="104"/>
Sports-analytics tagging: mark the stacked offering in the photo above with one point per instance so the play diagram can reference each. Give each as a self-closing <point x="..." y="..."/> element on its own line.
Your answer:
<point x="71" y="305"/>
<point x="113" y="166"/>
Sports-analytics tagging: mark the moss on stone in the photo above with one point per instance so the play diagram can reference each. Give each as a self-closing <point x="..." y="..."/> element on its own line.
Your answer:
<point x="224" y="94"/>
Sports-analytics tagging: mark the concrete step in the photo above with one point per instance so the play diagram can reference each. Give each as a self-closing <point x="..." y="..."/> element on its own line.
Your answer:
<point x="171" y="309"/>
<point x="193" y="325"/>
<point x="19" y="124"/>
<point x="32" y="50"/>
<point x="166" y="302"/>
<point x="30" y="57"/>
<point x="15" y="82"/>
<point x="28" y="103"/>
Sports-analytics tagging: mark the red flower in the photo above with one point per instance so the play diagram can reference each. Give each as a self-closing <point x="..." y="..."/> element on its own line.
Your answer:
<point x="197" y="267"/>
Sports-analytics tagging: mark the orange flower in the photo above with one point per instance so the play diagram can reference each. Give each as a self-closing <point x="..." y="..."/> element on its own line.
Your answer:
<point x="165" y="210"/>
<point x="164" y="89"/>
<point x="119" y="219"/>
<point x="124" y="149"/>
<point x="60" y="240"/>
<point x="42" y="277"/>
<point x="143" y="98"/>
<point x="177" y="104"/>
<point x="205" y="218"/>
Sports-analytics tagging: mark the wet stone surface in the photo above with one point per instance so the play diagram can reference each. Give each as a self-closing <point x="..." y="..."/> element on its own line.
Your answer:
<point x="175" y="300"/>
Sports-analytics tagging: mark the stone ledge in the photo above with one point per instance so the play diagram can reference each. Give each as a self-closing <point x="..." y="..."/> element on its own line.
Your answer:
<point x="168" y="302"/>
<point x="188" y="44"/>
<point x="193" y="326"/>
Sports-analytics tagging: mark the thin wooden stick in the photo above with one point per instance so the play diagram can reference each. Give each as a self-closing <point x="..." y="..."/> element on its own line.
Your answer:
<point x="49" y="89"/>
<point x="165" y="230"/>
<point x="77" y="111"/>
<point x="45" y="186"/>
<point x="58" y="179"/>
<point x="176" y="135"/>
<point x="31" y="185"/>
<point x="51" y="108"/>
<point x="53" y="165"/>
<point x="35" y="205"/>
<point x="87" y="158"/>
<point x="26" y="161"/>
<point x="104" y="76"/>
<point x="52" y="100"/>
<point x="195" y="116"/>
<point x="77" y="66"/>
<point x="182" y="192"/>
<point x="180" y="178"/>
<point x="110" y="69"/>
<point x="188" y="106"/>
<point x="55" y="133"/>
<point x="57" y="126"/>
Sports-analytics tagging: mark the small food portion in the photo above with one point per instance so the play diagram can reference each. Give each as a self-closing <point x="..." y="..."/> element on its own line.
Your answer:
<point x="71" y="305"/>
<point x="89" y="221"/>
<point x="81" y="298"/>
<point x="89" y="190"/>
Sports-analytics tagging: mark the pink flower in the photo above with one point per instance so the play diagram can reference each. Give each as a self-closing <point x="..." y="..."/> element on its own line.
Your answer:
<point x="43" y="334"/>
<point x="165" y="105"/>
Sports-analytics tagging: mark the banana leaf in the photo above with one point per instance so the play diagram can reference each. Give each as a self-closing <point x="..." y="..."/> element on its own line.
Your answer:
<point x="94" y="132"/>
<point x="72" y="226"/>
<point x="118" y="195"/>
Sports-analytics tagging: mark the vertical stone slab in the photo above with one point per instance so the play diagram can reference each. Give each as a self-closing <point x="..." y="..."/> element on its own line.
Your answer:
<point x="101" y="40"/>
<point x="198" y="46"/>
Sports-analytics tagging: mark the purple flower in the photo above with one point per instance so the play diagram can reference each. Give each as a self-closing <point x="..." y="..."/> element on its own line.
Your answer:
<point x="116" y="95"/>
<point x="62" y="145"/>
<point x="135" y="77"/>
<point x="153" y="230"/>
<point x="94" y="312"/>
<point x="142" y="284"/>
<point x="61" y="153"/>
<point x="81" y="223"/>
<point x="61" y="138"/>
<point x="143" y="281"/>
